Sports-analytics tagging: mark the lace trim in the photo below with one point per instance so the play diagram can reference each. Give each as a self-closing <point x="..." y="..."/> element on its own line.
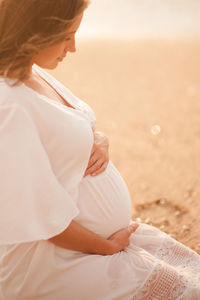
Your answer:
<point x="176" y="276"/>
<point x="163" y="284"/>
<point x="181" y="257"/>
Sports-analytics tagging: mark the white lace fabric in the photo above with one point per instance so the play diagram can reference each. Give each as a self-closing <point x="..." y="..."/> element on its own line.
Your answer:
<point x="176" y="275"/>
<point x="164" y="283"/>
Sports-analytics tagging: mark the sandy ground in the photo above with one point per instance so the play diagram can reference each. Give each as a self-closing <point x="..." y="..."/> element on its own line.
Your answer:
<point x="146" y="95"/>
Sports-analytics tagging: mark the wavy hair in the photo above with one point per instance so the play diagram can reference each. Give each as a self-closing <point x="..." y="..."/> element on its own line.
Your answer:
<point x="29" y="26"/>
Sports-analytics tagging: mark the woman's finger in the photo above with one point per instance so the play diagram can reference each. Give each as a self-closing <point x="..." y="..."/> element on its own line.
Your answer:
<point x="94" y="167"/>
<point x="132" y="228"/>
<point x="101" y="169"/>
<point x="93" y="159"/>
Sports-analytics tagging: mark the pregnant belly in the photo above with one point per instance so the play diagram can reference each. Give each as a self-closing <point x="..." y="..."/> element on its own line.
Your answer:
<point x="104" y="202"/>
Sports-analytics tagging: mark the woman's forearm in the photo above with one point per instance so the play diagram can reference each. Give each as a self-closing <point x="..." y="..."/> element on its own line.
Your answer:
<point x="78" y="238"/>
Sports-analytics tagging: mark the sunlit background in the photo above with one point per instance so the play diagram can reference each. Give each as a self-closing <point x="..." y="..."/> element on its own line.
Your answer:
<point x="133" y="18"/>
<point x="138" y="66"/>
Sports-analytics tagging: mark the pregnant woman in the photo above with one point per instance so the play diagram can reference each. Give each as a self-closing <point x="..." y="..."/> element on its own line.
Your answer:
<point x="65" y="212"/>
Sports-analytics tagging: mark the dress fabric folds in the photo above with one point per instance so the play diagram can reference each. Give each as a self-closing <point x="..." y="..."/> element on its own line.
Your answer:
<point x="44" y="151"/>
<point x="29" y="187"/>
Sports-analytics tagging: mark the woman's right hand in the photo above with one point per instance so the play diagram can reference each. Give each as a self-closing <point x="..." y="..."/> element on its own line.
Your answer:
<point x="78" y="238"/>
<point x="120" y="239"/>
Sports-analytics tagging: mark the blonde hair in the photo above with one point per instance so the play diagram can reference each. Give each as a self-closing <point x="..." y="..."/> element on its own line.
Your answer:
<point x="29" y="26"/>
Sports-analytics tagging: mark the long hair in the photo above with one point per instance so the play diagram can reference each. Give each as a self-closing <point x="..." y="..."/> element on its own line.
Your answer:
<point x="29" y="26"/>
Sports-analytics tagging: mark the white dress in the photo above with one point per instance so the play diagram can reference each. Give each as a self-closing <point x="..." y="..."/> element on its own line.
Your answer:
<point x="44" y="151"/>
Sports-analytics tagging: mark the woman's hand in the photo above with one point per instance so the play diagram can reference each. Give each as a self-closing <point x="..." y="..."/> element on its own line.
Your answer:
<point x="78" y="238"/>
<point x="120" y="239"/>
<point x="99" y="157"/>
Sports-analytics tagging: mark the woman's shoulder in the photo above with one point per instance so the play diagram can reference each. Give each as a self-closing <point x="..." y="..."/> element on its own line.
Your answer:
<point x="16" y="104"/>
<point x="11" y="93"/>
<point x="19" y="97"/>
<point x="4" y="90"/>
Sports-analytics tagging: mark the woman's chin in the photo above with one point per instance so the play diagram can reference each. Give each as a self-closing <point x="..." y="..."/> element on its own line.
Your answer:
<point x="52" y="65"/>
<point x="49" y="66"/>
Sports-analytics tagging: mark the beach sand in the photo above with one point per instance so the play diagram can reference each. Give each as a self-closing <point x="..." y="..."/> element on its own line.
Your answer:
<point x="146" y="95"/>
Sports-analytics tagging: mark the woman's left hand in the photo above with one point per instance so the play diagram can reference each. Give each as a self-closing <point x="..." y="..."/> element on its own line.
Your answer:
<point x="99" y="157"/>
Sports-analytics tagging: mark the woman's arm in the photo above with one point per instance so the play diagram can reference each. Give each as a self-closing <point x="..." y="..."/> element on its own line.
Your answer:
<point x="78" y="238"/>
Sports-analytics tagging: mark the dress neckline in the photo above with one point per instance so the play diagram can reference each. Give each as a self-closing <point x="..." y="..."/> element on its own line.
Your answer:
<point x="78" y="106"/>
<point x="42" y="74"/>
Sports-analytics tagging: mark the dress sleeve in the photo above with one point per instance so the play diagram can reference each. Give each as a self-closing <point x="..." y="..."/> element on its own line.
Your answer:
<point x="33" y="203"/>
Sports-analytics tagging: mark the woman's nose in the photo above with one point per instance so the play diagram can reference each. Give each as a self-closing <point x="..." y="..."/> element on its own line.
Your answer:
<point x="71" y="47"/>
